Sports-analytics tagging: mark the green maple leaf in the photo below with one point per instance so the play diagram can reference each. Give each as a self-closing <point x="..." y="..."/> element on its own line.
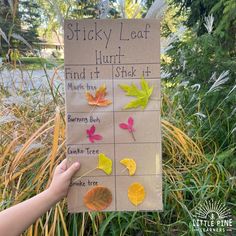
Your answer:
<point x="142" y="95"/>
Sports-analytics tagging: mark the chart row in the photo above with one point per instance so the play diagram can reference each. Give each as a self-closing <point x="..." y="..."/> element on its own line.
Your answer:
<point x="113" y="127"/>
<point x="122" y="71"/>
<point x="119" y="184"/>
<point x="102" y="95"/>
<point x="144" y="155"/>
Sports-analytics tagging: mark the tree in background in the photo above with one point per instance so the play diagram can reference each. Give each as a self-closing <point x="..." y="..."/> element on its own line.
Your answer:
<point x="30" y="18"/>
<point x="200" y="67"/>
<point x="55" y="11"/>
<point x="224" y="13"/>
<point x="8" y="22"/>
<point x="19" y="21"/>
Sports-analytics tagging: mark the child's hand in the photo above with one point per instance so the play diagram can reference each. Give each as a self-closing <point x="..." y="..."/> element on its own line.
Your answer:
<point x="61" y="179"/>
<point x="27" y="212"/>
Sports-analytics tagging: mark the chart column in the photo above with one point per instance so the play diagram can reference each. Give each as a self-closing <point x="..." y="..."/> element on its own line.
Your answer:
<point x="141" y="141"/>
<point x="84" y="123"/>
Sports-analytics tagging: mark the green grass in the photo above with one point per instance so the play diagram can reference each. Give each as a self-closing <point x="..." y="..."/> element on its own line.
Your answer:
<point x="35" y="63"/>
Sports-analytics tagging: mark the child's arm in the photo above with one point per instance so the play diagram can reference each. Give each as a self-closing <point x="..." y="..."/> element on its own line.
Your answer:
<point x="16" y="219"/>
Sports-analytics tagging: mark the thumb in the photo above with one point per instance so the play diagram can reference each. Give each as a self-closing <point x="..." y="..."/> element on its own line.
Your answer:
<point x="71" y="170"/>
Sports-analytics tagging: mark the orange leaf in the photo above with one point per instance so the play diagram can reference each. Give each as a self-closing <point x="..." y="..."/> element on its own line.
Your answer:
<point x="99" y="98"/>
<point x="98" y="198"/>
<point x="136" y="193"/>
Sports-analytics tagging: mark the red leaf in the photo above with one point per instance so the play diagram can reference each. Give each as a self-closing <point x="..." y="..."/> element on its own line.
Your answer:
<point x="91" y="139"/>
<point x="123" y="126"/>
<point x="92" y="129"/>
<point x="131" y="121"/>
<point x="128" y="126"/>
<point x="96" y="137"/>
<point x="91" y="136"/>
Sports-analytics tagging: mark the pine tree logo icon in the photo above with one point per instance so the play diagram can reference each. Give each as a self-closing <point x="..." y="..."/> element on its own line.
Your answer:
<point x="212" y="216"/>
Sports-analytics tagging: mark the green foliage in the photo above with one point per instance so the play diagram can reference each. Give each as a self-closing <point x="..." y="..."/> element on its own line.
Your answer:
<point x="142" y="95"/>
<point x="132" y="9"/>
<point x="226" y="27"/>
<point x="209" y="117"/>
<point x="92" y="9"/>
<point x="201" y="81"/>
<point x="202" y="87"/>
<point x="37" y="63"/>
<point x="19" y="22"/>
<point x="171" y="21"/>
<point x="197" y="57"/>
<point x="53" y="13"/>
<point x="30" y="19"/>
<point x="224" y="14"/>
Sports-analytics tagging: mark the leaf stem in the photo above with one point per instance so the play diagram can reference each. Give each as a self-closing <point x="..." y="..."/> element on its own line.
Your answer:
<point x="124" y="170"/>
<point x="86" y="173"/>
<point x="132" y="133"/>
<point x="92" y="110"/>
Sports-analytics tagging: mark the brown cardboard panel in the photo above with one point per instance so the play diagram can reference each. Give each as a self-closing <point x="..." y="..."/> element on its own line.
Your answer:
<point x="112" y="52"/>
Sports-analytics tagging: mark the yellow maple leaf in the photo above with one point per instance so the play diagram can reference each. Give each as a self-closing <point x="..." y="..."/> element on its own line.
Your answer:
<point x="136" y="193"/>
<point x="130" y="164"/>
<point x="104" y="163"/>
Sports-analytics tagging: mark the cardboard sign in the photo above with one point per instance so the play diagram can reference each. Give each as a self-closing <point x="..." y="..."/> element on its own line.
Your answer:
<point x="112" y="85"/>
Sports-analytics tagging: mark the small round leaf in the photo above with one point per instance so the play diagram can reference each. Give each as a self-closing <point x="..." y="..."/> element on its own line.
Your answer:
<point x="136" y="193"/>
<point x="98" y="198"/>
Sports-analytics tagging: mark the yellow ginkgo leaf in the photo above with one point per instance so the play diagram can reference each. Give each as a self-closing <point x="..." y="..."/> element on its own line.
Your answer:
<point x="136" y="193"/>
<point x="104" y="163"/>
<point x="130" y="165"/>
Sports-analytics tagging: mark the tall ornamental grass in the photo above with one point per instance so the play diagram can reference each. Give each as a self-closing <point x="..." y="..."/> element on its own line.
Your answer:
<point x="33" y="142"/>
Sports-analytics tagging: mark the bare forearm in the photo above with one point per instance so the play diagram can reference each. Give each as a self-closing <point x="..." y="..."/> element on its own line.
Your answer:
<point x="18" y="218"/>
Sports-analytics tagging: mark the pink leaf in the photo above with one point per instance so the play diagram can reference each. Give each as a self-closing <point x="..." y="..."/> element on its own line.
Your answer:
<point x="128" y="126"/>
<point x="91" y="140"/>
<point x="91" y="136"/>
<point x="130" y="121"/>
<point x="96" y="137"/>
<point x="92" y="129"/>
<point x="130" y="129"/>
<point x="123" y="126"/>
<point x="88" y="132"/>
